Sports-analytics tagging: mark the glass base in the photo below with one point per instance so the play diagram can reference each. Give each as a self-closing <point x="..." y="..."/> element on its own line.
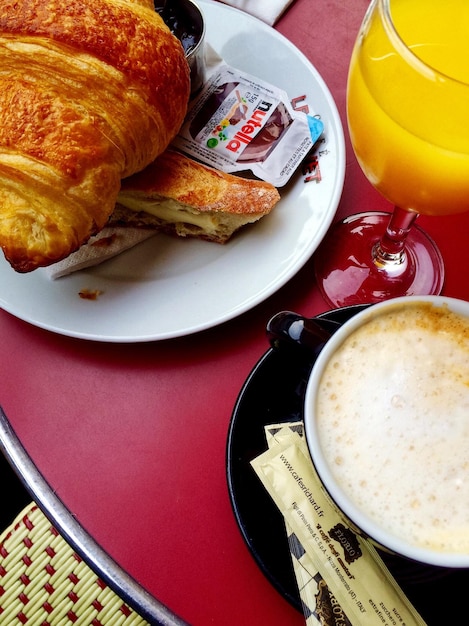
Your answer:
<point x="347" y="275"/>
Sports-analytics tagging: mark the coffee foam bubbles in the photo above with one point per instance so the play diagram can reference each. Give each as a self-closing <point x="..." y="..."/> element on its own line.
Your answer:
<point x="393" y="414"/>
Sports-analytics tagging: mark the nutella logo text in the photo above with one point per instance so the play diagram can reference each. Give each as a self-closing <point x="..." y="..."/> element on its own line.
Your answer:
<point x="249" y="128"/>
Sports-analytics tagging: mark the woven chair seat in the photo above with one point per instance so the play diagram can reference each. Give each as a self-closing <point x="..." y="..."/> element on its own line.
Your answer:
<point x="44" y="582"/>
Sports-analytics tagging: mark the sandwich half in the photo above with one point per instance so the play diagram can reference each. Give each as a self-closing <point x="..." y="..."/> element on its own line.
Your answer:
<point x="182" y="197"/>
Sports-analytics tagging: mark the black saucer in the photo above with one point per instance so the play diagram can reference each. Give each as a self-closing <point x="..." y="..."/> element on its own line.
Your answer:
<point x="274" y="392"/>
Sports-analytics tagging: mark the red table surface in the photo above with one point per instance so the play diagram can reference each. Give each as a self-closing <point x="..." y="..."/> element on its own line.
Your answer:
<point x="133" y="437"/>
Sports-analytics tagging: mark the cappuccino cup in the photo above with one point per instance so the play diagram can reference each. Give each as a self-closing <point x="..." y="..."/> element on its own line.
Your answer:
<point x="387" y="426"/>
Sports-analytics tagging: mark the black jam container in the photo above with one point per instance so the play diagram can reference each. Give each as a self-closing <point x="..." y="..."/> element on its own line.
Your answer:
<point x="186" y="21"/>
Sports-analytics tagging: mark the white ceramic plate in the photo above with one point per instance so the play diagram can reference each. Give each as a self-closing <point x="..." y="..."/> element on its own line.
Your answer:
<point x="166" y="287"/>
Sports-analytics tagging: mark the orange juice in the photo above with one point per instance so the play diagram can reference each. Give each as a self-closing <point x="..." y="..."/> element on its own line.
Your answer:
<point x="408" y="119"/>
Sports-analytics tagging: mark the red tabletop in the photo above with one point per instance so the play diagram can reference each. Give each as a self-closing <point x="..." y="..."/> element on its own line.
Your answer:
<point x="133" y="437"/>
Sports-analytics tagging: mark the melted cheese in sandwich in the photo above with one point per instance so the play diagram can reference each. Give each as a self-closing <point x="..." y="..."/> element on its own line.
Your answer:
<point x="173" y="212"/>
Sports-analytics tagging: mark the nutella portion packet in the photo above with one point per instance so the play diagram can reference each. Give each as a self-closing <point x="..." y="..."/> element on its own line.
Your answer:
<point x="339" y="573"/>
<point x="239" y="123"/>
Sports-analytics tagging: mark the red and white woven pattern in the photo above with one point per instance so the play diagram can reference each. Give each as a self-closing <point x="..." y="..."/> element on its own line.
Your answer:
<point x="43" y="582"/>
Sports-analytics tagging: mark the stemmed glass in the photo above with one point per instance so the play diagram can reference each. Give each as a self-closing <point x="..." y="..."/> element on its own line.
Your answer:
<point x="408" y="116"/>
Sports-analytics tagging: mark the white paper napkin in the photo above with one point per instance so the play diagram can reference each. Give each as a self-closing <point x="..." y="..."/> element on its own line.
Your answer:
<point x="108" y="243"/>
<point x="268" y="11"/>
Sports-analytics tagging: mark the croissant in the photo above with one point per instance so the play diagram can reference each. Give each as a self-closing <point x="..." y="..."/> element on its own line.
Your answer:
<point x="91" y="91"/>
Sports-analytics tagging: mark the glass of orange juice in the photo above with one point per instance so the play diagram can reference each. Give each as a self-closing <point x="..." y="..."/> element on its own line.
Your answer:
<point x="408" y="116"/>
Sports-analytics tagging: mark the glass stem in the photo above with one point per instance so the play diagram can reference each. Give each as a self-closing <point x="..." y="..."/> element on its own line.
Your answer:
<point x="390" y="250"/>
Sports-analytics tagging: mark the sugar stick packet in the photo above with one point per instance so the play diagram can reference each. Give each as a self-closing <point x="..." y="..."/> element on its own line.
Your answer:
<point x="320" y="607"/>
<point x="349" y="565"/>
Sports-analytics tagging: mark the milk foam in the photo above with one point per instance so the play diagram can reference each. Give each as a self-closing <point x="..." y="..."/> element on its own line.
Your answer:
<point x="393" y="413"/>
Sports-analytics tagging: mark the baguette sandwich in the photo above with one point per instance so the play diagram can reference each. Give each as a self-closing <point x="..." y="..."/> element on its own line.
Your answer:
<point x="182" y="197"/>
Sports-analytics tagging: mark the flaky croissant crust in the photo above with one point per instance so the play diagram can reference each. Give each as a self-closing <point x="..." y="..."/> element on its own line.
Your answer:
<point x="90" y="92"/>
